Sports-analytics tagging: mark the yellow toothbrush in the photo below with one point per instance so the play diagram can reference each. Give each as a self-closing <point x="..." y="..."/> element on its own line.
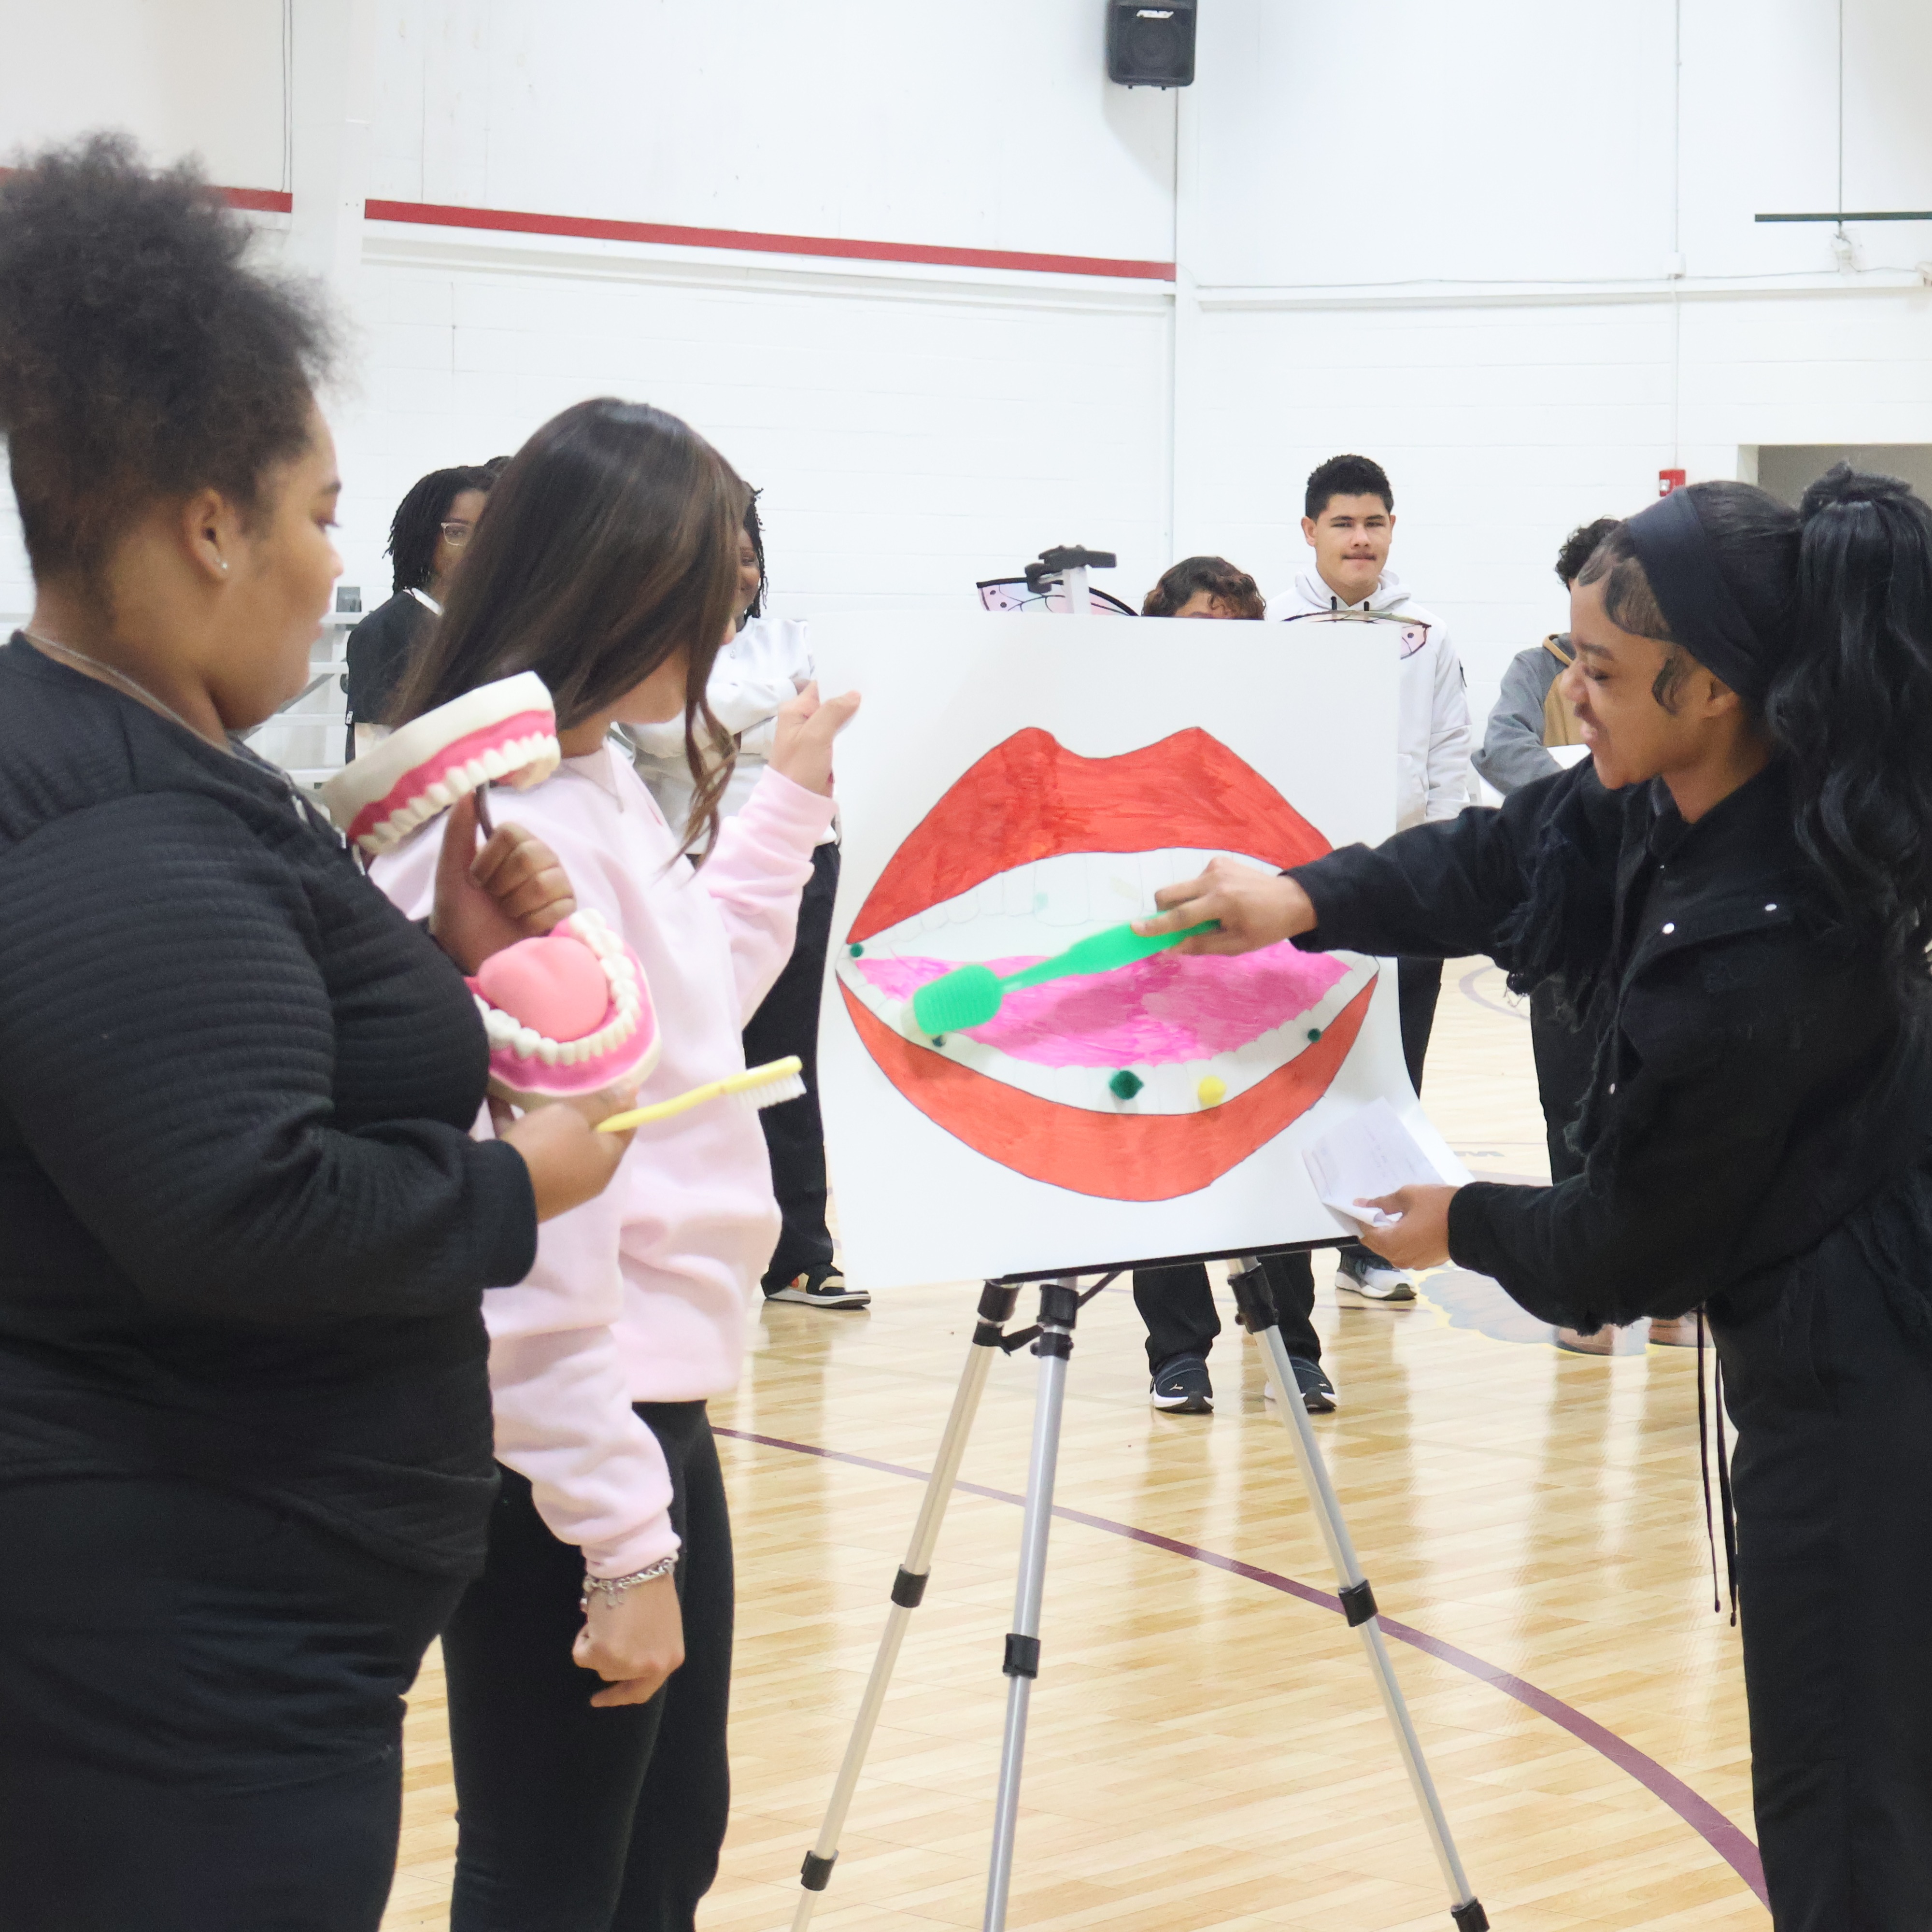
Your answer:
<point x="764" y="1086"/>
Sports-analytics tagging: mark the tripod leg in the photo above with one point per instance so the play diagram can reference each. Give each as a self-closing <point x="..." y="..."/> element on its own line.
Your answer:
<point x="1256" y="1304"/>
<point x="996" y="1310"/>
<point x="1059" y="1305"/>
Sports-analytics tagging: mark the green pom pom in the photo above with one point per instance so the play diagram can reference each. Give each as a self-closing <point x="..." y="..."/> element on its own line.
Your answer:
<point x="857" y="951"/>
<point x="1314" y="1032"/>
<point x="1124" y="1085"/>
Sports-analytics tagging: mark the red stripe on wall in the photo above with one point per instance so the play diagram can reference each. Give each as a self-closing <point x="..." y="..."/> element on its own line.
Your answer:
<point x="506" y="220"/>
<point x="262" y="200"/>
<point x="510" y="220"/>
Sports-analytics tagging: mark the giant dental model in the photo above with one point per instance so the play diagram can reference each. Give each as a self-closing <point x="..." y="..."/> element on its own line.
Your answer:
<point x="503" y="733"/>
<point x="567" y="1013"/>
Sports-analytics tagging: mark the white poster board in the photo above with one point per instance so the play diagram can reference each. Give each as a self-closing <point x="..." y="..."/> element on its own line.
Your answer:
<point x="1014" y="783"/>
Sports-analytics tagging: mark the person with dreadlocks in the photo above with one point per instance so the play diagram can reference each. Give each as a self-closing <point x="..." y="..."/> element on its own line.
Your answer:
<point x="1739" y="884"/>
<point x="432" y="525"/>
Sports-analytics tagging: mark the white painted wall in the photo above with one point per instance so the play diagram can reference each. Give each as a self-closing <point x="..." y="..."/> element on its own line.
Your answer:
<point x="1507" y="248"/>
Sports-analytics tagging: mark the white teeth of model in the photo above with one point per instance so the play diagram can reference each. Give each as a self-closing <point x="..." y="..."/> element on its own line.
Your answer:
<point x="568" y="1053"/>
<point x="441" y="794"/>
<point x="546" y="1051"/>
<point x="1062" y="882"/>
<point x="501" y="1028"/>
<point x="527" y="1041"/>
<point x="493" y="762"/>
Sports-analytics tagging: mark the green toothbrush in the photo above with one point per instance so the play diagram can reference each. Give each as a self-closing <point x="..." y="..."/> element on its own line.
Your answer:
<point x="969" y="996"/>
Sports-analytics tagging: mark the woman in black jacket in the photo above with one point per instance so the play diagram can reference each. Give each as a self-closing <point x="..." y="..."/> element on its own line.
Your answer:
<point x="1740" y="884"/>
<point x="245" y="1461"/>
<point x="427" y="537"/>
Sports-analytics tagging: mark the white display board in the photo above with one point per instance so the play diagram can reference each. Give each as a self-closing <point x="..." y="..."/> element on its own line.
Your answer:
<point x="1014" y="783"/>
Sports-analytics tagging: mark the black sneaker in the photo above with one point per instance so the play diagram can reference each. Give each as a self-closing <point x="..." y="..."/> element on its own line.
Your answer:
<point x="1318" y="1392"/>
<point x="820" y="1288"/>
<point x="1180" y="1386"/>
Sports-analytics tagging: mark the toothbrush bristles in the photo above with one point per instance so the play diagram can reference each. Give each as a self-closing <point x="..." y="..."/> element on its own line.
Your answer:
<point x="791" y="1088"/>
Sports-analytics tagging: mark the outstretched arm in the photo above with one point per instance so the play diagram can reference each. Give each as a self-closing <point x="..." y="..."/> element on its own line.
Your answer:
<point x="1439" y="891"/>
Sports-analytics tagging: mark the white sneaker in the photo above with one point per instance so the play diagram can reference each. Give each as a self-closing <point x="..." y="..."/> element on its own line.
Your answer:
<point x="820" y="1288"/>
<point x="1371" y="1279"/>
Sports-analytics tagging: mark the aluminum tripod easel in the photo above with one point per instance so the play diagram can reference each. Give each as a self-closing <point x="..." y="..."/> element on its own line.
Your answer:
<point x="1060" y="1303"/>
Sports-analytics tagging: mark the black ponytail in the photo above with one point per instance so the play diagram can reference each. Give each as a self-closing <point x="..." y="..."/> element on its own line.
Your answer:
<point x="1851" y="709"/>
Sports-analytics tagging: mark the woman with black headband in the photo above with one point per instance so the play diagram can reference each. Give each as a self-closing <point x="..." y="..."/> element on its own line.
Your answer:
<point x="1740" y="884"/>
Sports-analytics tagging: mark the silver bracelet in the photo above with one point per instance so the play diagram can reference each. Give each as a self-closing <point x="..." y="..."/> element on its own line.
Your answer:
<point x="611" y="1587"/>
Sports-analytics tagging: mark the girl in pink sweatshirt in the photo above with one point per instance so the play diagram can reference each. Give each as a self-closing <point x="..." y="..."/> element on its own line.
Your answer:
<point x="606" y="562"/>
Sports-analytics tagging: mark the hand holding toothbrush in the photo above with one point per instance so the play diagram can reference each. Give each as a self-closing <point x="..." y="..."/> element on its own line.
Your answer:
<point x="1251" y="908"/>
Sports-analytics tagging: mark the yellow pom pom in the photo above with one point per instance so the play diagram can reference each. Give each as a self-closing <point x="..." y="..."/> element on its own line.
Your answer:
<point x="1211" y="1092"/>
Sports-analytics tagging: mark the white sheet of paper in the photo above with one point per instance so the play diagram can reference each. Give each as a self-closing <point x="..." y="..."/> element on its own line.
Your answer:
<point x="1369" y="1154"/>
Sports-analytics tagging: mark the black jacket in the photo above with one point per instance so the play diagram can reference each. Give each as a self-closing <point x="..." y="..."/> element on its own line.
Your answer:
<point x="244" y="1234"/>
<point x="1757" y="1083"/>
<point x="378" y="651"/>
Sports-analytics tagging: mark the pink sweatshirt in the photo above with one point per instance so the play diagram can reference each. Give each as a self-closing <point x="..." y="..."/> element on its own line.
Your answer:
<point x="640" y="1295"/>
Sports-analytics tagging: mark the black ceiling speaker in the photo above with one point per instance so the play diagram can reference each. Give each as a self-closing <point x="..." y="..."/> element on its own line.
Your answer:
<point x="1150" y="45"/>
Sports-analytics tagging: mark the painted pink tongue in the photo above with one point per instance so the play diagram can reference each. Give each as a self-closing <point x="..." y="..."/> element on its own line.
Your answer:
<point x="554" y="985"/>
<point x="1163" y="1011"/>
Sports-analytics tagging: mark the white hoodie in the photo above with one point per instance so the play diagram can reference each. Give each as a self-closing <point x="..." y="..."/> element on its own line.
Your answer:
<point x="1432" y="779"/>
<point x="768" y="663"/>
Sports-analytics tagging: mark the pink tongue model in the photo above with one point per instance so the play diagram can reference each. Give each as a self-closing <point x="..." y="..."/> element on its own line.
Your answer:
<point x="1163" y="1011"/>
<point x="555" y="985"/>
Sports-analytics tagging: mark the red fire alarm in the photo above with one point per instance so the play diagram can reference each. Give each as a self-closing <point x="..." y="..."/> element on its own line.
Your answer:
<point x="1668" y="480"/>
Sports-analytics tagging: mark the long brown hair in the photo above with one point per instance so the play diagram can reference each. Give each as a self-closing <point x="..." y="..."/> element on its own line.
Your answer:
<point x="609" y="542"/>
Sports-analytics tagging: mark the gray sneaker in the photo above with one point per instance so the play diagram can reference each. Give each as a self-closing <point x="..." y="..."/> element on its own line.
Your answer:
<point x="1369" y="1278"/>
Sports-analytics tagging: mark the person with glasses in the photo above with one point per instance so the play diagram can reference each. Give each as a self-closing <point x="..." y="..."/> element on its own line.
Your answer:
<point x="1349" y="521"/>
<point x="432" y="525"/>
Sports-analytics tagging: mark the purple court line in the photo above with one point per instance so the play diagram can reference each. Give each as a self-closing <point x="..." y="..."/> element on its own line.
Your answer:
<point x="1730" y="1844"/>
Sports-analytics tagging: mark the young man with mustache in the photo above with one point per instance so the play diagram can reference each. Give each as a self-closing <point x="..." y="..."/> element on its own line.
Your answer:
<point x="1349" y="521"/>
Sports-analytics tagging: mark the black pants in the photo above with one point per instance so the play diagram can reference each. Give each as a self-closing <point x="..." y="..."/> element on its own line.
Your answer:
<point x="1418" y="985"/>
<point x="1178" y="1307"/>
<point x="570" y="1818"/>
<point x="1565" y="1052"/>
<point x="1834" y="1486"/>
<point x="786" y="1021"/>
<point x="201" y="1705"/>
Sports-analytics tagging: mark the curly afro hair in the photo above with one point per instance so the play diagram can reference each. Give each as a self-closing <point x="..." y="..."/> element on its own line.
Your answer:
<point x="140" y="358"/>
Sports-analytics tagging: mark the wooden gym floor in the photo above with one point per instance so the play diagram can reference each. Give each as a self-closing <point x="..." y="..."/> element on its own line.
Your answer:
<point x="1206" y="1748"/>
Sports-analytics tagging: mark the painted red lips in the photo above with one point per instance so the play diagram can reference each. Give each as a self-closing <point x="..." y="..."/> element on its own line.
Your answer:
<point x="1029" y="798"/>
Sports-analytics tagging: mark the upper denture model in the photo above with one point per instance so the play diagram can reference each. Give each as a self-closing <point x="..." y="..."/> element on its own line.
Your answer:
<point x="504" y="732"/>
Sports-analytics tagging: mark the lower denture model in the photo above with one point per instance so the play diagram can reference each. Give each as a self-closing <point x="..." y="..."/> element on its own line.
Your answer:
<point x="567" y="1013"/>
<point x="504" y="732"/>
